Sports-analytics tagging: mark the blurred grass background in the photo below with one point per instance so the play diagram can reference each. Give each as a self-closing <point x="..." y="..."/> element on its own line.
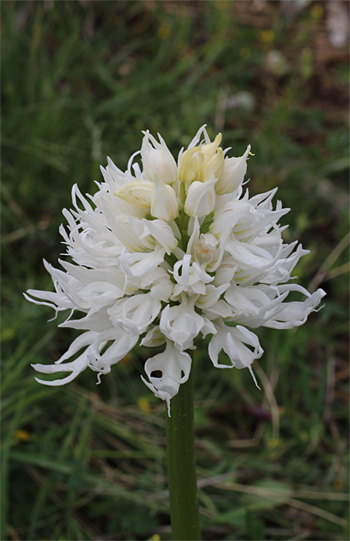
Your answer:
<point x="80" y="80"/>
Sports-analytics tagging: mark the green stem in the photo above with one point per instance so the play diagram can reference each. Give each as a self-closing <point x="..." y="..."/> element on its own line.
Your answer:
<point x="182" y="466"/>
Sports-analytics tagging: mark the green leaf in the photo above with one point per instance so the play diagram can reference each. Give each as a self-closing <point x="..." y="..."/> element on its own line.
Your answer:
<point x="255" y="527"/>
<point x="267" y="494"/>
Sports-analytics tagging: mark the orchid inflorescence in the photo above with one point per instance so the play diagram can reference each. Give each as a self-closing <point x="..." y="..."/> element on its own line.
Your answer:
<point x="171" y="253"/>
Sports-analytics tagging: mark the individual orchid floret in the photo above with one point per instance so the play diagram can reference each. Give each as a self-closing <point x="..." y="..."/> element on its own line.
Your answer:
<point x="233" y="174"/>
<point x="168" y="255"/>
<point x="200" y="200"/>
<point x="157" y="160"/>
<point x="166" y="371"/>
<point x="164" y="203"/>
<point x="138" y="193"/>
<point x="198" y="163"/>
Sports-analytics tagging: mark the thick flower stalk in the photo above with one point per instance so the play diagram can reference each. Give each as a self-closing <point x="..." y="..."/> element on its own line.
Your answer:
<point x="169" y="253"/>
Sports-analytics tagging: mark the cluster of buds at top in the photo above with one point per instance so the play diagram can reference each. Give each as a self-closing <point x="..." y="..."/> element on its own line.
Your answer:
<point x="192" y="186"/>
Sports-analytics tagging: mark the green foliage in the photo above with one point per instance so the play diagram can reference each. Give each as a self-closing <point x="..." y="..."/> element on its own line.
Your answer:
<point x="80" y="80"/>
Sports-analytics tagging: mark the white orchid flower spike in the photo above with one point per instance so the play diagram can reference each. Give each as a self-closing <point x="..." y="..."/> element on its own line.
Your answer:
<point x="167" y="255"/>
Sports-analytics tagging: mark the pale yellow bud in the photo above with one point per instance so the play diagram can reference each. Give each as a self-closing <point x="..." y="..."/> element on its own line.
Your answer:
<point x="197" y="163"/>
<point x="138" y="193"/>
<point x="210" y="149"/>
<point x="215" y="165"/>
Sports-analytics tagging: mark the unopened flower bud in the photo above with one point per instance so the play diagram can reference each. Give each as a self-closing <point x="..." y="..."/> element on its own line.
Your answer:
<point x="138" y="193"/>
<point x="209" y="150"/>
<point x="215" y="165"/>
<point x="190" y="163"/>
<point x="164" y="202"/>
<point x="233" y="174"/>
<point x="197" y="163"/>
<point x="200" y="199"/>
<point x="157" y="159"/>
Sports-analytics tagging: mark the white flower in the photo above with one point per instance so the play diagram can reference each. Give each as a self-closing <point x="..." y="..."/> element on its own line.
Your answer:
<point x="167" y="256"/>
<point x="136" y="313"/>
<point x="157" y="160"/>
<point x="181" y="323"/>
<point x="164" y="204"/>
<point x="200" y="199"/>
<point x="138" y="193"/>
<point x="232" y="341"/>
<point x="233" y="174"/>
<point x="166" y="371"/>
